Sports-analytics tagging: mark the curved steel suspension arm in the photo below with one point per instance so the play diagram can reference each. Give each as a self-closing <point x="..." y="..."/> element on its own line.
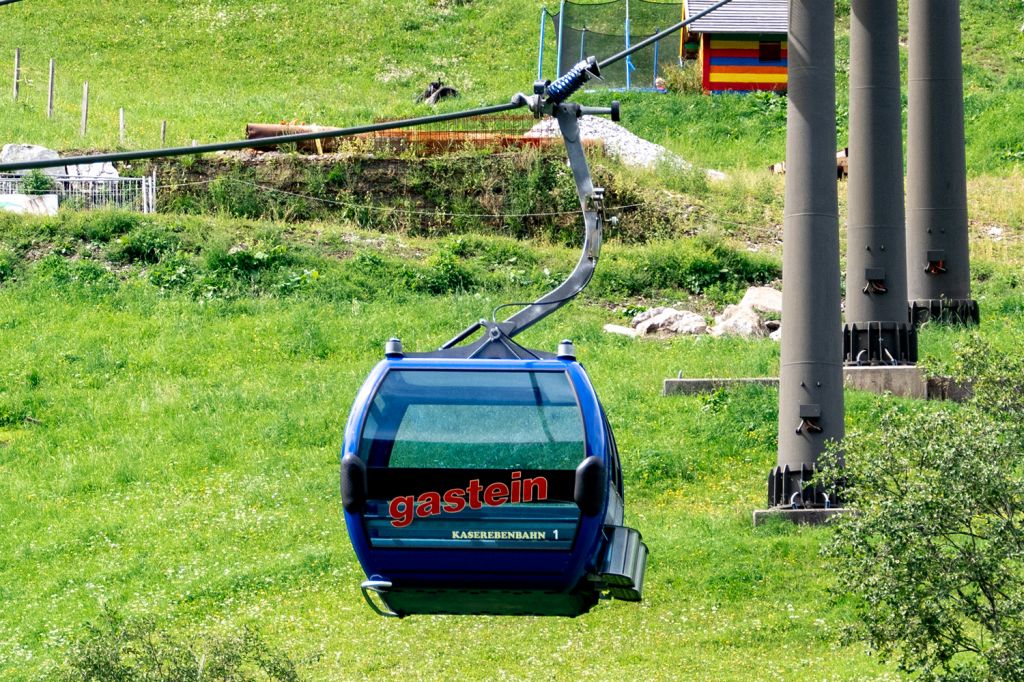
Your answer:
<point x="592" y="205"/>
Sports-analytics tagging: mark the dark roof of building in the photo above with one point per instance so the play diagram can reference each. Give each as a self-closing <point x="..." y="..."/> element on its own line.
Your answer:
<point x="740" y="16"/>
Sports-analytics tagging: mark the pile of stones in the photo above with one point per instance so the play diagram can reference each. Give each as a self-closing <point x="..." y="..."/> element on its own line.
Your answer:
<point x="752" y="317"/>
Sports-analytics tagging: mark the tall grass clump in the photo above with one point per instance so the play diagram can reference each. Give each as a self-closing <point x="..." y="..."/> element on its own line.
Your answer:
<point x="697" y="266"/>
<point x="119" y="648"/>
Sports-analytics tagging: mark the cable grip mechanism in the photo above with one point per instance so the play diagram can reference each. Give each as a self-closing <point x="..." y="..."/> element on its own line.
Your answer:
<point x="572" y="80"/>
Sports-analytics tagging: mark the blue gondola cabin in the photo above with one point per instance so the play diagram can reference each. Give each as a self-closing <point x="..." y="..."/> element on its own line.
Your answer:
<point x="743" y="46"/>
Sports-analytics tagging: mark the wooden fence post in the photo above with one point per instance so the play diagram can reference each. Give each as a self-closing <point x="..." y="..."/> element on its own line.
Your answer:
<point x="17" y="71"/>
<point x="85" y="107"/>
<point x="49" y="97"/>
<point x="163" y="133"/>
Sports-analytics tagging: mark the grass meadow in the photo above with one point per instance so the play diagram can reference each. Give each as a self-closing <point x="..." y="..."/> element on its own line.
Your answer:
<point x="169" y="451"/>
<point x="181" y="460"/>
<point x="173" y="388"/>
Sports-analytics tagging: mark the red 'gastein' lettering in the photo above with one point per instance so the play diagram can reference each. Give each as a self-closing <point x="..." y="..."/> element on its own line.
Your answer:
<point x="538" y="485"/>
<point x="496" y="495"/>
<point x="455" y="500"/>
<point x="401" y="510"/>
<point x="405" y="508"/>
<point x="474" y="494"/>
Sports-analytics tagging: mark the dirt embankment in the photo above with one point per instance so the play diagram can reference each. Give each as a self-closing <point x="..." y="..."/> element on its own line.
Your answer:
<point x="526" y="193"/>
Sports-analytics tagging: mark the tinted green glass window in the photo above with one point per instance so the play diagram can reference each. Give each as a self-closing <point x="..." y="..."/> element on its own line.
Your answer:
<point x="474" y="420"/>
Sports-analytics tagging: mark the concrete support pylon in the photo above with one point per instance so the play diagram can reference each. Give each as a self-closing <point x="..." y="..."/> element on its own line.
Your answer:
<point x="811" y="372"/>
<point x="938" y="252"/>
<point x="878" y="329"/>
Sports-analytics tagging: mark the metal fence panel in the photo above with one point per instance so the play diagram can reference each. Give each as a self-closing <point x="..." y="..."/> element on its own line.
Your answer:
<point x="132" y="194"/>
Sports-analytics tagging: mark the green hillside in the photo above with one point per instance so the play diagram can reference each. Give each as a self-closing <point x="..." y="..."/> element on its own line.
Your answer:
<point x="171" y="410"/>
<point x="173" y="388"/>
<point x="172" y="397"/>
<point x="209" y="67"/>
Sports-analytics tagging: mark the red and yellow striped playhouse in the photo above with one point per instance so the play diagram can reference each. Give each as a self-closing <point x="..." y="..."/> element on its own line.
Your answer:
<point x="743" y="45"/>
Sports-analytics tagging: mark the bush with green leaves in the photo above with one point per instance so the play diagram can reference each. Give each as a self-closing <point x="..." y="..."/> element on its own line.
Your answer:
<point x="145" y="243"/>
<point x="37" y="182"/>
<point x="237" y="196"/>
<point x="8" y="263"/>
<point x="117" y="648"/>
<point x="687" y="79"/>
<point x="935" y="549"/>
<point x="444" y="274"/>
<point x="699" y="266"/>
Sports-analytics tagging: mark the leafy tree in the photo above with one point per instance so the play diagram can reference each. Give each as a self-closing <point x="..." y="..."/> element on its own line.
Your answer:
<point x="935" y="548"/>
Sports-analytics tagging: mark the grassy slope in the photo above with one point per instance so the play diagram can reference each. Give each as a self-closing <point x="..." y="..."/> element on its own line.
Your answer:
<point x="181" y="461"/>
<point x="168" y="477"/>
<point x="210" y="67"/>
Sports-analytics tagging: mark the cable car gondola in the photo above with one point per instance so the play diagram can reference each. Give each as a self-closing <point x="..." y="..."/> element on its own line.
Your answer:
<point x="484" y="478"/>
<point x="451" y="504"/>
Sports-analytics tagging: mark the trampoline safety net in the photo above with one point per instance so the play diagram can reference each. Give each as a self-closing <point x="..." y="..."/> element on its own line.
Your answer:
<point x="602" y="29"/>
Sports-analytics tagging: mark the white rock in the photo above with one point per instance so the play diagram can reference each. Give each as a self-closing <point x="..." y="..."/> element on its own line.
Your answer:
<point x="659" y="322"/>
<point x="776" y="335"/>
<point x="765" y="299"/>
<point x="15" y="153"/>
<point x="996" y="233"/>
<point x="93" y="170"/>
<point x="688" y="322"/>
<point x="672" y="321"/>
<point x="620" y="330"/>
<point x="738" y="320"/>
<point x="647" y="314"/>
<point x="44" y="204"/>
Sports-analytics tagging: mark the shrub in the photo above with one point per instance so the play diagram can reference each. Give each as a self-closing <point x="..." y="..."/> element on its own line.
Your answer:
<point x="237" y="197"/>
<point x="686" y="79"/>
<point x="101" y="226"/>
<point x="935" y="550"/>
<point x="63" y="272"/>
<point x="243" y="260"/>
<point x="491" y="251"/>
<point x="768" y="106"/>
<point x="444" y="274"/>
<point x="690" y="180"/>
<point x="116" y="648"/>
<point x="175" y="271"/>
<point x="37" y="182"/>
<point x="144" y="243"/>
<point x="8" y="263"/>
<point x="696" y="266"/>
